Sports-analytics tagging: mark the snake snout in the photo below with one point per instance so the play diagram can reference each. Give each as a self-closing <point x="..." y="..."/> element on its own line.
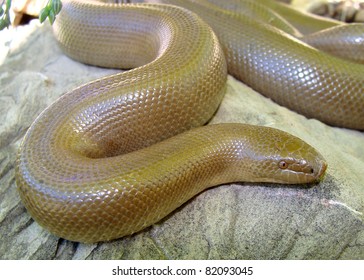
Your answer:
<point x="301" y="171"/>
<point x="322" y="170"/>
<point x="298" y="162"/>
<point x="314" y="170"/>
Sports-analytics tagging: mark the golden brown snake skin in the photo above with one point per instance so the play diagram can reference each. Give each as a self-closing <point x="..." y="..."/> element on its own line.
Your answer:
<point x="70" y="172"/>
<point x="283" y="68"/>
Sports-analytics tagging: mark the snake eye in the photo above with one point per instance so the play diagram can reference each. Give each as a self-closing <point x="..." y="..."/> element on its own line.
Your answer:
<point x="282" y="164"/>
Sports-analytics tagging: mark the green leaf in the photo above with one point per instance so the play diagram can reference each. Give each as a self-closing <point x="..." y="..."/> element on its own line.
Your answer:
<point x="2" y="24"/>
<point x="5" y="20"/>
<point x="50" y="11"/>
<point x="43" y="14"/>
<point x="51" y="16"/>
<point x="56" y="6"/>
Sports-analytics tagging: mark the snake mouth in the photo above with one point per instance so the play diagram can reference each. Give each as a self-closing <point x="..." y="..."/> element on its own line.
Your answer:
<point x="315" y="169"/>
<point x="303" y="171"/>
<point x="316" y="175"/>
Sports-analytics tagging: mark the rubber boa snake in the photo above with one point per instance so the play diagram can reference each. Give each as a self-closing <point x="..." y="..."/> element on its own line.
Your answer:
<point x="118" y="154"/>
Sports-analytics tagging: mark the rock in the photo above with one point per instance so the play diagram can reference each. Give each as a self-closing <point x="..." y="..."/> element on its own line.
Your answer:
<point x="24" y="9"/>
<point x="319" y="8"/>
<point x="307" y="5"/>
<point x="347" y="11"/>
<point x="29" y="8"/>
<point x="237" y="221"/>
<point x="359" y="16"/>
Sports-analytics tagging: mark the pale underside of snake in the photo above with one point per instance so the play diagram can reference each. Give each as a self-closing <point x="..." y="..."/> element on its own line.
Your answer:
<point x="116" y="155"/>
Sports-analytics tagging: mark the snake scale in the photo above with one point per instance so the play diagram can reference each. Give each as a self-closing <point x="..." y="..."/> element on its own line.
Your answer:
<point x="118" y="154"/>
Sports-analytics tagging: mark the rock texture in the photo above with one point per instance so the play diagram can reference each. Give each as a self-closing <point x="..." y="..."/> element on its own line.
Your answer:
<point x="240" y="221"/>
<point x="347" y="11"/>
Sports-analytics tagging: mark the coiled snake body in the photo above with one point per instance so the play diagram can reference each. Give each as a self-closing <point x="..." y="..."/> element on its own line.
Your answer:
<point x="102" y="162"/>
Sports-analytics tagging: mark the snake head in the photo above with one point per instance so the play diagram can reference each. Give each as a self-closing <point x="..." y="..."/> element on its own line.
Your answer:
<point x="293" y="161"/>
<point x="276" y="156"/>
<point x="301" y="170"/>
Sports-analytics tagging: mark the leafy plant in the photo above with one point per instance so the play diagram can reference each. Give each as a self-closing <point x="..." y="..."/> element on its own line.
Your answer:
<point x="50" y="11"/>
<point x="4" y="14"/>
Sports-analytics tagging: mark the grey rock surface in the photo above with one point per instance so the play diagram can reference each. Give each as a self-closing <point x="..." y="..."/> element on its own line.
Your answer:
<point x="238" y="221"/>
